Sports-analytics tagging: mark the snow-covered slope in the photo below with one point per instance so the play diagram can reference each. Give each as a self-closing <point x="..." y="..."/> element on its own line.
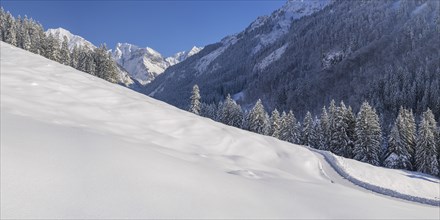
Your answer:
<point x="73" y="40"/>
<point x="144" y="64"/>
<point x="76" y="146"/>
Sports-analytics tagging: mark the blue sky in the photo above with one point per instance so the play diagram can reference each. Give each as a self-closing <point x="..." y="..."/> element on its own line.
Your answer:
<point x="167" y="26"/>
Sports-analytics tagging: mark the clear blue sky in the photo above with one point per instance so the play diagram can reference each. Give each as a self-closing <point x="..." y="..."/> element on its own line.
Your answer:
<point x="167" y="26"/>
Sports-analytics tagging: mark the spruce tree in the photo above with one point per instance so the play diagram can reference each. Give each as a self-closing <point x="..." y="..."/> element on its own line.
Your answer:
<point x="10" y="35"/>
<point x="275" y="124"/>
<point x="315" y="136"/>
<point x="209" y="111"/>
<point x="368" y="133"/>
<point x="339" y="141"/>
<point x="74" y="57"/>
<point x="289" y="131"/>
<point x="258" y="120"/>
<point x="350" y="120"/>
<point x="52" y="48"/>
<point x="398" y="156"/>
<point x="195" y="100"/>
<point x="231" y="113"/>
<point x="426" y="149"/>
<point x="325" y="130"/>
<point x="307" y="128"/>
<point x="65" y="53"/>
<point x="407" y="130"/>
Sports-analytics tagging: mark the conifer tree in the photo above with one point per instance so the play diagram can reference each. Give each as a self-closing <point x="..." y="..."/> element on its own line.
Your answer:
<point x="52" y="48"/>
<point x="10" y="30"/>
<point x="2" y="24"/>
<point x="339" y="141"/>
<point x="350" y="120"/>
<point x="315" y="136"/>
<point x="290" y="131"/>
<point x="195" y="100"/>
<point x="325" y="130"/>
<point x="426" y="149"/>
<point x="26" y="40"/>
<point x="65" y="53"/>
<point x="258" y="120"/>
<point x="401" y="144"/>
<point x="307" y="128"/>
<point x="209" y="111"/>
<point x="74" y="57"/>
<point x="398" y="156"/>
<point x="275" y="124"/>
<point x="231" y="113"/>
<point x="368" y="133"/>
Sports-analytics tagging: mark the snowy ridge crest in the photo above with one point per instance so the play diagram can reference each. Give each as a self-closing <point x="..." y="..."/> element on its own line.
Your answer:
<point x="72" y="40"/>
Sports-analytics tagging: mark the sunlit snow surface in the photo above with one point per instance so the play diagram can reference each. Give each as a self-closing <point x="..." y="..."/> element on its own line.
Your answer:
<point x="75" y="146"/>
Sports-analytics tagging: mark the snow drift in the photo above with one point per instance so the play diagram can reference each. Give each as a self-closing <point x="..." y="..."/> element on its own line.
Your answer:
<point x="75" y="146"/>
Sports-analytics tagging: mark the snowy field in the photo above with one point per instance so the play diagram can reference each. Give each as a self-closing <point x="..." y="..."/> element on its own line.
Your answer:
<point x="75" y="146"/>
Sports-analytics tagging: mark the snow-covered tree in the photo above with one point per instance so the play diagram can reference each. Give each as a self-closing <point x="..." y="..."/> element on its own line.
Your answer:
<point x="230" y="113"/>
<point x="350" y="120"/>
<point x="65" y="53"/>
<point x="195" y="100"/>
<point x="10" y="30"/>
<point x="275" y="124"/>
<point x="258" y="120"/>
<point x="289" y="129"/>
<point x="86" y="62"/>
<point x="325" y="130"/>
<point x="398" y="155"/>
<point x="368" y="134"/>
<point x="24" y="32"/>
<point x="209" y="110"/>
<point x="52" y="48"/>
<point x="105" y="67"/>
<point x="307" y="128"/>
<point x="74" y="56"/>
<point x="401" y="142"/>
<point x="339" y="141"/>
<point x="315" y="136"/>
<point x="426" y="149"/>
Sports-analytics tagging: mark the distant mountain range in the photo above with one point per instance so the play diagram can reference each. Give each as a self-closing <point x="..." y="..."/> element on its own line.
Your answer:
<point x="145" y="64"/>
<point x="140" y="64"/>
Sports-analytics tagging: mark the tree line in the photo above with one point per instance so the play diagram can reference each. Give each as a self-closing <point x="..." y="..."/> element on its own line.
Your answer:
<point x="339" y="130"/>
<point x="29" y="35"/>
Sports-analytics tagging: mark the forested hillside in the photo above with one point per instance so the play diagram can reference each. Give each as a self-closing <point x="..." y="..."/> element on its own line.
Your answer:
<point x="384" y="52"/>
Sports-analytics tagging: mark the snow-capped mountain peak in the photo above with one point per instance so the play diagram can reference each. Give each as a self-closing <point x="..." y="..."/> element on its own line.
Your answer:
<point x="73" y="40"/>
<point x="144" y="64"/>
<point x="183" y="55"/>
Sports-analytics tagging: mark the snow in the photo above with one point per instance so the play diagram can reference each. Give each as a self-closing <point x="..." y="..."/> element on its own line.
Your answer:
<point x="204" y="62"/>
<point x="272" y="57"/>
<point x="144" y="64"/>
<point x="183" y="55"/>
<point x="75" y="146"/>
<point x="283" y="17"/>
<point x="73" y="40"/>
<point x="398" y="183"/>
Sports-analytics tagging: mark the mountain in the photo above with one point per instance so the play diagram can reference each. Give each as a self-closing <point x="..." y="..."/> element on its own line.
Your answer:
<point x="145" y="64"/>
<point x="183" y="55"/>
<point x="309" y="52"/>
<point x="72" y="40"/>
<point x="96" y="150"/>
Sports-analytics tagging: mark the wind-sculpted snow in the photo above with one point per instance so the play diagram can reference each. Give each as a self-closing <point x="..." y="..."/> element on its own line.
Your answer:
<point x="75" y="146"/>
